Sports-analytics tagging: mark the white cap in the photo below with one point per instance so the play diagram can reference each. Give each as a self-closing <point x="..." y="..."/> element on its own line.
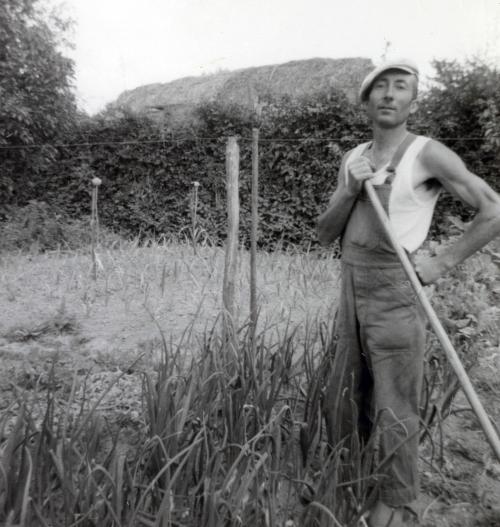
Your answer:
<point x="405" y="65"/>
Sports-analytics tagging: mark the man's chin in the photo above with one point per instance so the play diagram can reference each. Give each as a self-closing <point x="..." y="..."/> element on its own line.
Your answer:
<point x="388" y="123"/>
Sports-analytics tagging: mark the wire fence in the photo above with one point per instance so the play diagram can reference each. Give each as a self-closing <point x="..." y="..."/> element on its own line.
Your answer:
<point x="218" y="138"/>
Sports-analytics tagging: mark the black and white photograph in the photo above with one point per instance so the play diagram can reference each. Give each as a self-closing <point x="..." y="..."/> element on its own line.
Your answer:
<point x="249" y="263"/>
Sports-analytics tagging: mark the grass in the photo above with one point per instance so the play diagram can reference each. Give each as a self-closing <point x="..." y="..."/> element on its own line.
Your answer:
<point x="171" y="426"/>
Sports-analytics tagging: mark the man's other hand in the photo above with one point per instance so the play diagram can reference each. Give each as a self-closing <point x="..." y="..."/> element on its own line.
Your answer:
<point x="429" y="268"/>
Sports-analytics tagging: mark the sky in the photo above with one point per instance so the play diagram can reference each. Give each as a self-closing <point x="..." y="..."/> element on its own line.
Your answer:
<point x="123" y="44"/>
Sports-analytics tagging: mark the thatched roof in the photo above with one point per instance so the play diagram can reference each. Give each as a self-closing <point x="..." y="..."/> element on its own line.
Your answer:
<point x="295" y="79"/>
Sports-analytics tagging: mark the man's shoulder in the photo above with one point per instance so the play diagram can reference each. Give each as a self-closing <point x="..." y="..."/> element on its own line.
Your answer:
<point x="434" y="151"/>
<point x="439" y="159"/>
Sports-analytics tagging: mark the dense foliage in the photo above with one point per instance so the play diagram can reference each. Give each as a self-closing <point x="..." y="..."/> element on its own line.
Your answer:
<point x="462" y="108"/>
<point x="148" y="178"/>
<point x="149" y="168"/>
<point x="38" y="105"/>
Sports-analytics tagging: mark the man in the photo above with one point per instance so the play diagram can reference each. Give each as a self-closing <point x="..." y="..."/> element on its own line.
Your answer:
<point x="380" y="329"/>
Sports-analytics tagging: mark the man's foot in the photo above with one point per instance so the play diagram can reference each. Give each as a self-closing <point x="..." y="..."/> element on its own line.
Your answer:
<point x="383" y="515"/>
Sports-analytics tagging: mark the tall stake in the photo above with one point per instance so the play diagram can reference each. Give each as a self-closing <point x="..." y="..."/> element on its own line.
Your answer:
<point x="253" y="235"/>
<point x="233" y="211"/>
<point x="448" y="348"/>
<point x="94" y="224"/>
<point x="194" y="210"/>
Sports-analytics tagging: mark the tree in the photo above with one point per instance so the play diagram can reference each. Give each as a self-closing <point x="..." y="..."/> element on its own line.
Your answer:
<point x="37" y="102"/>
<point x="463" y="108"/>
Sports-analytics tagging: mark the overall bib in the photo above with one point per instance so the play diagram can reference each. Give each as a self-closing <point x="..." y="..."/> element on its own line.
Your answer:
<point x="379" y="337"/>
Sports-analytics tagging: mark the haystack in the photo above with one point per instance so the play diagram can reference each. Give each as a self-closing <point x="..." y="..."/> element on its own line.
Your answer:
<point x="178" y="98"/>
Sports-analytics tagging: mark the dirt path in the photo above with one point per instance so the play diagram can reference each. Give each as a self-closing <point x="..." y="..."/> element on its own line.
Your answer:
<point x="463" y="489"/>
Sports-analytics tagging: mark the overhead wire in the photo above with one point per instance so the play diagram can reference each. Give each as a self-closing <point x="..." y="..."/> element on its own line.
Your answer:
<point x="208" y="138"/>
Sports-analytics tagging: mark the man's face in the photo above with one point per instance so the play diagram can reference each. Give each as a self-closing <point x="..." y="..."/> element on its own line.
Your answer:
<point x="392" y="98"/>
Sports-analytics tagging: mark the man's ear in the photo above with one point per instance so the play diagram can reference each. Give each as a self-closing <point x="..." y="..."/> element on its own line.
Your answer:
<point x="413" y="106"/>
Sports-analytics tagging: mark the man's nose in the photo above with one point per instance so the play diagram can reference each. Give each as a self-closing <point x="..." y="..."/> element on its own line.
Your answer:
<point x="389" y="92"/>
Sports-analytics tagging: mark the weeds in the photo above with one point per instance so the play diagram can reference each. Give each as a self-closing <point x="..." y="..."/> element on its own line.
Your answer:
<point x="60" y="323"/>
<point x="37" y="227"/>
<point x="219" y="445"/>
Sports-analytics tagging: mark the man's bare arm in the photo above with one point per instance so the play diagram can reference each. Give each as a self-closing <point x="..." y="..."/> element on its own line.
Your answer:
<point x="332" y="222"/>
<point x="451" y="172"/>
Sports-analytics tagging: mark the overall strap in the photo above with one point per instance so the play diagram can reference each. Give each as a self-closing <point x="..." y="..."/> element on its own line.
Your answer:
<point x="398" y="155"/>
<point x="396" y="158"/>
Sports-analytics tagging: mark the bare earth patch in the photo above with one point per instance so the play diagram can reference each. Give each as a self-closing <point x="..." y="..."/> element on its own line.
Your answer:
<point x="142" y="291"/>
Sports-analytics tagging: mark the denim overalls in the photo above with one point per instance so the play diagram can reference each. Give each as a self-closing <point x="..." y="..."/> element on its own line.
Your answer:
<point x="378" y="362"/>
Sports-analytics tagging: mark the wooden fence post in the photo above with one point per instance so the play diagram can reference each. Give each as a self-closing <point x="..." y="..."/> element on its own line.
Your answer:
<point x="94" y="225"/>
<point x="253" y="235"/>
<point x="233" y="211"/>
